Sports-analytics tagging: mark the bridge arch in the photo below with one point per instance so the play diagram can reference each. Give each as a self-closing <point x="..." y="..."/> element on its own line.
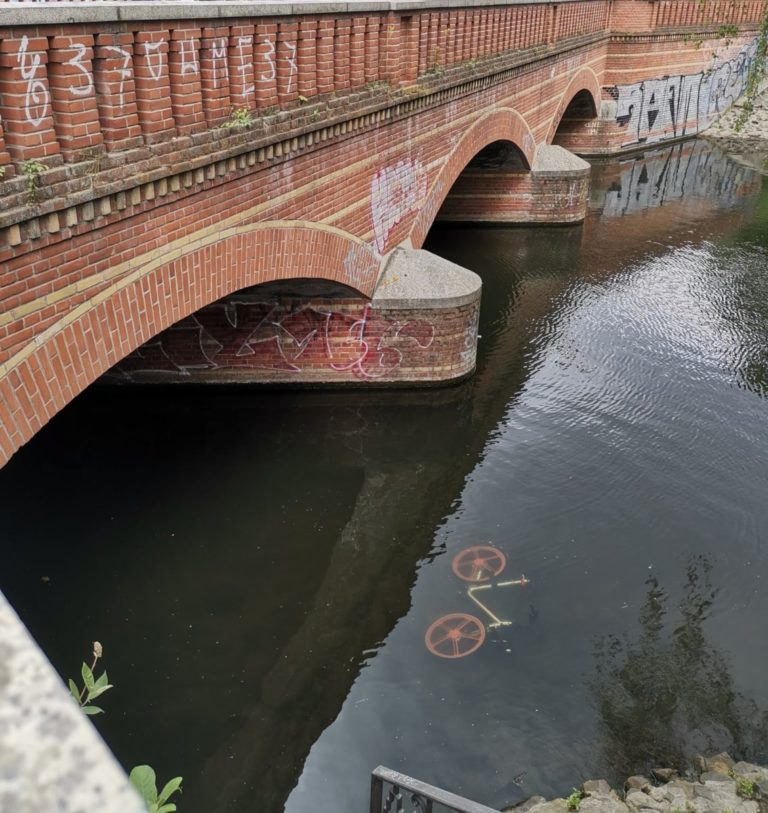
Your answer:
<point x="503" y="124"/>
<point x="141" y="297"/>
<point x="582" y="94"/>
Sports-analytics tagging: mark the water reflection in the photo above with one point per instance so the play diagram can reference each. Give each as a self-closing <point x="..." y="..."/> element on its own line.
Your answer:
<point x="670" y="695"/>
<point x="687" y="171"/>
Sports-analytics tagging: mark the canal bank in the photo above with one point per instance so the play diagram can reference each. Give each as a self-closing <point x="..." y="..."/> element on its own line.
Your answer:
<point x="720" y="785"/>
<point x="748" y="143"/>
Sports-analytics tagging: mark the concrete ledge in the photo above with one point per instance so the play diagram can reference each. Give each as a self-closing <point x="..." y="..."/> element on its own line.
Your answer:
<point x="28" y="13"/>
<point x="553" y="160"/>
<point x="52" y="758"/>
<point x="414" y="278"/>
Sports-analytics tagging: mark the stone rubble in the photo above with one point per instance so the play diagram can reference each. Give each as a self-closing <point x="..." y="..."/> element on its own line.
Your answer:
<point x="718" y="789"/>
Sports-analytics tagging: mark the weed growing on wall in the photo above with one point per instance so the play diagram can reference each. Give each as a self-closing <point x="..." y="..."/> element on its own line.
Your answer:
<point x="31" y="170"/>
<point x="756" y="74"/>
<point x="756" y="69"/>
<point x="240" y="118"/>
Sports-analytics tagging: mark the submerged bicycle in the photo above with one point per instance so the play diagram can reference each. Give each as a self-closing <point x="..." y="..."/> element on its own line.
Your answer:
<point x="457" y="635"/>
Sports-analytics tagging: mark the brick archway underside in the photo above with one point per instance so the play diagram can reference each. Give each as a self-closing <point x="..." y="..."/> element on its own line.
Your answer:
<point x="170" y="285"/>
<point x="503" y="124"/>
<point x="584" y="80"/>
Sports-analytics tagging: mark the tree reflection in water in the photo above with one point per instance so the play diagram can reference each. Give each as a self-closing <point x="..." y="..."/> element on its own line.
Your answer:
<point x="669" y="695"/>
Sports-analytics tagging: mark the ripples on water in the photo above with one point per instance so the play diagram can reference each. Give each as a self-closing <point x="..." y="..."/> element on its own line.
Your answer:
<point x="251" y="557"/>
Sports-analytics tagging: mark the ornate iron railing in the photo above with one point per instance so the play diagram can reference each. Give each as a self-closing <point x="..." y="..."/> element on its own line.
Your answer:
<point x="395" y="792"/>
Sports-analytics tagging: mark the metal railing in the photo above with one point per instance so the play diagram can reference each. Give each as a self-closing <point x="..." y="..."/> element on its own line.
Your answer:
<point x="395" y="792"/>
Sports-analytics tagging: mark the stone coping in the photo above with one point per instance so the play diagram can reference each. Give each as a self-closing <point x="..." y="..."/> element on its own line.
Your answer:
<point x="554" y="160"/>
<point x="414" y="278"/>
<point x="95" y="11"/>
<point x="52" y="757"/>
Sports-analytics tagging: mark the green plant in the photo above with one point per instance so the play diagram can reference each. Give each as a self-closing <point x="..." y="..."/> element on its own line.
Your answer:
<point x="31" y="170"/>
<point x="303" y="99"/>
<point x="746" y="788"/>
<point x="755" y="74"/>
<point x="93" y="687"/>
<point x="314" y="115"/>
<point x="241" y="117"/>
<point x="573" y="802"/>
<point x="2" y="172"/>
<point x="143" y="779"/>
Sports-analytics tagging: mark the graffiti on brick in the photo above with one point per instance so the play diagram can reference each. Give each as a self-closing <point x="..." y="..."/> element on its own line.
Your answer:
<point x="220" y="69"/>
<point x="37" y="99"/>
<point x="77" y="62"/>
<point x="188" y="54"/>
<point x="675" y="106"/>
<point x="396" y="191"/>
<point x="259" y="335"/>
<point x="153" y="55"/>
<point x="123" y="71"/>
<point x="683" y="171"/>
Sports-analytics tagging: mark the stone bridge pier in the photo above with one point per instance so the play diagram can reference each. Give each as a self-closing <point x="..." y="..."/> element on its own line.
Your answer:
<point x="497" y="187"/>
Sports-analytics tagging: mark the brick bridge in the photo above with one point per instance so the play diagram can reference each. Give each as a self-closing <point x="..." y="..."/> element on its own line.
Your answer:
<point x="236" y="191"/>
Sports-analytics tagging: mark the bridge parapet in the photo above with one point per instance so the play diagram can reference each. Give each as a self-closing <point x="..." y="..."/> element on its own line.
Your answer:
<point x="116" y="78"/>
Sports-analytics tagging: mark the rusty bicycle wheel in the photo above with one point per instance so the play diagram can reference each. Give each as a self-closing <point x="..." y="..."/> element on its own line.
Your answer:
<point x="455" y="635"/>
<point x="478" y="563"/>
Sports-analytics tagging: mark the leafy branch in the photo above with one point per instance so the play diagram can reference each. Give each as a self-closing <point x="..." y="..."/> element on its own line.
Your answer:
<point x="755" y="74"/>
<point x="142" y="777"/>
<point x="93" y="687"/>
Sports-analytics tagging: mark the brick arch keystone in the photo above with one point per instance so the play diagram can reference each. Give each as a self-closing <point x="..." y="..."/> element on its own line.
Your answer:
<point x="584" y="79"/>
<point x="154" y="291"/>
<point x="502" y="124"/>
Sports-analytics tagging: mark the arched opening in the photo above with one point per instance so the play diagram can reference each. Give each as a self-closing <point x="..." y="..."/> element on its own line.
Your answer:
<point x="280" y="331"/>
<point x="143" y="296"/>
<point x="577" y="122"/>
<point x="491" y="186"/>
<point x="499" y="155"/>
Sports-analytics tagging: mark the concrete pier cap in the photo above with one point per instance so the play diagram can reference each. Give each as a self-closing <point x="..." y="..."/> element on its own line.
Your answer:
<point x="442" y="294"/>
<point x="556" y="161"/>
<point x="414" y="278"/>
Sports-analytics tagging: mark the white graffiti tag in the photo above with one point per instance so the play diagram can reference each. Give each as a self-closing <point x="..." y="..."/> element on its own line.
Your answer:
<point x="155" y="67"/>
<point x="396" y="191"/>
<point x="124" y="72"/>
<point x="77" y="62"/>
<point x="37" y="98"/>
<point x="219" y="58"/>
<point x="674" y="106"/>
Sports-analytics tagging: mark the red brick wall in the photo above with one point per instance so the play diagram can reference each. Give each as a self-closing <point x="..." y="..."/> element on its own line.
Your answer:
<point x="488" y="196"/>
<point x="307" y="340"/>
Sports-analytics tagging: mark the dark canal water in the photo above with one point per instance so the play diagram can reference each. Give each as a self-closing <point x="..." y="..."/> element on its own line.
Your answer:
<point x="261" y="568"/>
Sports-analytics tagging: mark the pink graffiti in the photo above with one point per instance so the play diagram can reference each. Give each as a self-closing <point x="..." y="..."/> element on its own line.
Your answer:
<point x="261" y="335"/>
